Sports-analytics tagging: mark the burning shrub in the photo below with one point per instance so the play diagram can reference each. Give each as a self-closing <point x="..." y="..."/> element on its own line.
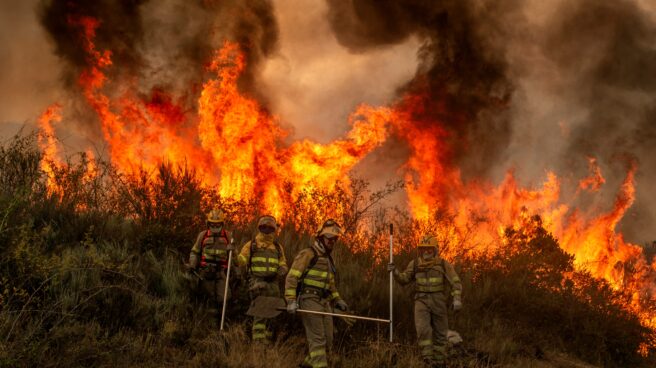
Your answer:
<point x="88" y="272"/>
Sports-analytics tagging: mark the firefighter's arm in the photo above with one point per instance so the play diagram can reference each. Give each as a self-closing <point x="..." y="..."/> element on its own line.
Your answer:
<point x="194" y="255"/>
<point x="454" y="280"/>
<point x="244" y="254"/>
<point x="242" y="259"/>
<point x="299" y="265"/>
<point x="406" y="276"/>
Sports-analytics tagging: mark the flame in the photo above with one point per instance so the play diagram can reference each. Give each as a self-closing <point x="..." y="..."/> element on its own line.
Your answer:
<point x="482" y="212"/>
<point x="240" y="147"/>
<point x="233" y="142"/>
<point x="593" y="182"/>
<point x="47" y="141"/>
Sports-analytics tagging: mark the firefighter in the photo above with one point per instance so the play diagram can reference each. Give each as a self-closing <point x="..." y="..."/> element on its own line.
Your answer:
<point x="264" y="263"/>
<point x="310" y="285"/>
<point x="431" y="275"/>
<point x="208" y="260"/>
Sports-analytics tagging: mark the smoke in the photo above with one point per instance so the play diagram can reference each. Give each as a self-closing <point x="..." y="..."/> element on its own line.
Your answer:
<point x="528" y="84"/>
<point x="462" y="83"/>
<point x="315" y="83"/>
<point x="162" y="45"/>
<point x="605" y="53"/>
<point x="28" y="68"/>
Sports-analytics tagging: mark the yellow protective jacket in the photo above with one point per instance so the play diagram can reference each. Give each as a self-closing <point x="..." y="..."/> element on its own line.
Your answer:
<point x="320" y="276"/>
<point x="431" y="276"/>
<point x="267" y="260"/>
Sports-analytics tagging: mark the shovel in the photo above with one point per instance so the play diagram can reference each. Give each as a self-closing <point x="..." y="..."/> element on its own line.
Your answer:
<point x="269" y="307"/>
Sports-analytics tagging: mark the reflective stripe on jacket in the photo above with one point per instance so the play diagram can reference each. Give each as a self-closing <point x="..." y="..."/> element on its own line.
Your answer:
<point x="265" y="262"/>
<point x="319" y="276"/>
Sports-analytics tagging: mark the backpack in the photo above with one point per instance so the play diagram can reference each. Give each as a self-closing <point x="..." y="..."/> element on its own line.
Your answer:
<point x="223" y="234"/>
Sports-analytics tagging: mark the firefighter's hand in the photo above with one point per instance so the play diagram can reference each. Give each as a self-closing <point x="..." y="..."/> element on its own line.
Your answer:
<point x="457" y="305"/>
<point x="391" y="267"/>
<point x="341" y="305"/>
<point x="292" y="306"/>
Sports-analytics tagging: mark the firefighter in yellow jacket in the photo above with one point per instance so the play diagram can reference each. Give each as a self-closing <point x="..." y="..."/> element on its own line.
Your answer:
<point x="208" y="259"/>
<point x="264" y="263"/>
<point x="310" y="284"/>
<point x="431" y="275"/>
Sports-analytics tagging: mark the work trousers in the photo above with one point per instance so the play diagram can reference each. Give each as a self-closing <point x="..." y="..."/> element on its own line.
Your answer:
<point x="432" y="325"/>
<point x="318" y="330"/>
<point x="262" y="330"/>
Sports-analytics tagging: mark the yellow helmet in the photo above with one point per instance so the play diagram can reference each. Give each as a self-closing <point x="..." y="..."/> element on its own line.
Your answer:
<point x="329" y="228"/>
<point x="215" y="216"/>
<point x="428" y="241"/>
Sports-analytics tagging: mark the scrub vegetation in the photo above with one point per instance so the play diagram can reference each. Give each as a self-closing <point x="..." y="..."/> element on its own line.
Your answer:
<point x="92" y="275"/>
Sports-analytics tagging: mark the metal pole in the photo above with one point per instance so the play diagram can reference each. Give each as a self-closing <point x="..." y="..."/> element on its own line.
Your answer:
<point x="339" y="315"/>
<point x="391" y="284"/>
<point x="225" y="290"/>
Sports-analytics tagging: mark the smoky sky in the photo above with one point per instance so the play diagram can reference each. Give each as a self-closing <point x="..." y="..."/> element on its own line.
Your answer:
<point x="166" y="41"/>
<point x="517" y="88"/>
<point x="462" y="76"/>
<point x="606" y="52"/>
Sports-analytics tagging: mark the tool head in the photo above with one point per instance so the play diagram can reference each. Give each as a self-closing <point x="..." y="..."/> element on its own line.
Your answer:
<point x="266" y="307"/>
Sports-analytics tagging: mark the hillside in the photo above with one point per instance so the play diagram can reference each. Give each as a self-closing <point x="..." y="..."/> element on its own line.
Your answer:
<point x="92" y="275"/>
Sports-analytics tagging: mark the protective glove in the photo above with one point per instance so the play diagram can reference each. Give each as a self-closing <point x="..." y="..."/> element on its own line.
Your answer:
<point x="341" y="305"/>
<point x="292" y="306"/>
<point x="457" y="305"/>
<point x="231" y="246"/>
<point x="391" y="267"/>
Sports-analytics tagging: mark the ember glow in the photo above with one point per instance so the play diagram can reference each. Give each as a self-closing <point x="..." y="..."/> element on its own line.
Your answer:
<point x="239" y="147"/>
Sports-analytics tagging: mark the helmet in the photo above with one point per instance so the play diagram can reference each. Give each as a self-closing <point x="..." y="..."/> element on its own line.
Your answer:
<point x="267" y="220"/>
<point x="215" y="216"/>
<point x="428" y="241"/>
<point x="330" y="228"/>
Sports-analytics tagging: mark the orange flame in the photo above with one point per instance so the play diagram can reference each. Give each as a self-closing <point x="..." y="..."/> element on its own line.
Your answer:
<point x="593" y="182"/>
<point x="239" y="146"/>
<point x="48" y="145"/>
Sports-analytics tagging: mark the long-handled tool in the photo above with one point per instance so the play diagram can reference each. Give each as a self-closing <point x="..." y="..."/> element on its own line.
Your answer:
<point x="270" y="307"/>
<point x="338" y="315"/>
<point x="391" y="284"/>
<point x="227" y="283"/>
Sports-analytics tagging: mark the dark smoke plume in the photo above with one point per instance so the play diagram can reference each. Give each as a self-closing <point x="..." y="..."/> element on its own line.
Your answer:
<point x="462" y="78"/>
<point x="606" y="54"/>
<point x="167" y="42"/>
<point x="120" y="32"/>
